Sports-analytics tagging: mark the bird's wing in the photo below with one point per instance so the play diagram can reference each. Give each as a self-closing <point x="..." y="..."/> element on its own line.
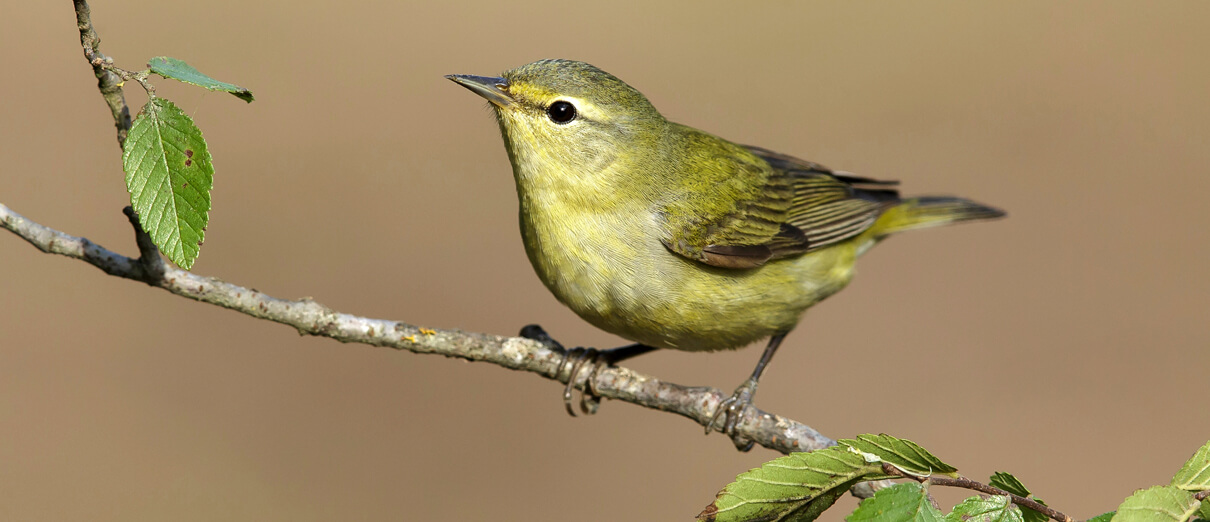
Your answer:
<point x="771" y="209"/>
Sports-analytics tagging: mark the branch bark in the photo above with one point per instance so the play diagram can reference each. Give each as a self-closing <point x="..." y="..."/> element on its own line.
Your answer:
<point x="108" y="83"/>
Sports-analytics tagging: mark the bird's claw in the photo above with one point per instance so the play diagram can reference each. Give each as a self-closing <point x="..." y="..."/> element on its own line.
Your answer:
<point x="589" y="400"/>
<point x="732" y="410"/>
<point x="578" y="357"/>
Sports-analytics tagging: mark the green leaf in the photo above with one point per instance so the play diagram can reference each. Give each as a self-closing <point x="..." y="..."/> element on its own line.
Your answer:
<point x="1009" y="483"/>
<point x="1103" y="517"/>
<point x="169" y="176"/>
<point x="898" y="503"/>
<point x="181" y="71"/>
<point x="1195" y="475"/>
<point x="1030" y="515"/>
<point x="1157" y="504"/>
<point x="796" y="487"/>
<point x="1204" y="512"/>
<point x="997" y="508"/>
<point x="901" y="453"/>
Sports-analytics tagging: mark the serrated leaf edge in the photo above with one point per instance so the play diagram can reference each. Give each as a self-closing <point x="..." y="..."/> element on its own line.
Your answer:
<point x="918" y="488"/>
<point x="169" y="240"/>
<point x="920" y="458"/>
<point x="1016" y="482"/>
<point x="746" y="477"/>
<point x="1204" y="452"/>
<point x="1194" y="506"/>
<point x="1008" y="506"/>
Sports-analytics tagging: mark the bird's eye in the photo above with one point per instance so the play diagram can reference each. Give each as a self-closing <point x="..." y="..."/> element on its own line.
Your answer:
<point x="561" y="112"/>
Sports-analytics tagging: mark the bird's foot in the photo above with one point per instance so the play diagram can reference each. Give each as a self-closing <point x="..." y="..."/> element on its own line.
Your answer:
<point x="732" y="411"/>
<point x="577" y="357"/>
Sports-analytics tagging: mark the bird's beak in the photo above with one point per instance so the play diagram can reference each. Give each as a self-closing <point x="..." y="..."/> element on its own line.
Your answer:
<point x="495" y="90"/>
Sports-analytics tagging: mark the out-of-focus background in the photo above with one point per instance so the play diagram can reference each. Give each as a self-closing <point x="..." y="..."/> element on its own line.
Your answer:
<point x="1067" y="344"/>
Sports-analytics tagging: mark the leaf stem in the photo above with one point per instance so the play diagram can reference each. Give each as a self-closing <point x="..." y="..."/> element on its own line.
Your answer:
<point x="138" y="76"/>
<point x="963" y="482"/>
<point x="107" y="73"/>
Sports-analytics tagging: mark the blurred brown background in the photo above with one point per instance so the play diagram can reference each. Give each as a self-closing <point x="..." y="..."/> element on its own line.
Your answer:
<point x="1067" y="344"/>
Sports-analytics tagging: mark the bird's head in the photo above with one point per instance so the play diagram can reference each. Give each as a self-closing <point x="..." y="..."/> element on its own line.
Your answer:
<point x="569" y="125"/>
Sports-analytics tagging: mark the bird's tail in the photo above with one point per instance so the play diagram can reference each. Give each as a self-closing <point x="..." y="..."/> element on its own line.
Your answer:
<point x="929" y="211"/>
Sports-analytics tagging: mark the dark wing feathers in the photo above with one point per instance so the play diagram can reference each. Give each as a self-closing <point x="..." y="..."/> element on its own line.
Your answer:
<point x="787" y="242"/>
<point x="808" y="205"/>
<point x="828" y="206"/>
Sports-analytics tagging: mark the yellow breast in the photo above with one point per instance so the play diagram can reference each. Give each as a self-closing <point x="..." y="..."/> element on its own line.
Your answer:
<point x="610" y="268"/>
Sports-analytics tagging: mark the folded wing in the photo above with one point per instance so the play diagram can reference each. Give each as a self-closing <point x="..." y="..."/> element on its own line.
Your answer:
<point x="770" y="206"/>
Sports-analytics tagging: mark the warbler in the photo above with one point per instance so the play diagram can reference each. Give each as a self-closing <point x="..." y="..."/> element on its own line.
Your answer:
<point x="675" y="238"/>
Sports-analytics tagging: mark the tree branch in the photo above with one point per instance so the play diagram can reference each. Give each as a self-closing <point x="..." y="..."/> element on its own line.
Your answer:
<point x="963" y="482"/>
<point x="109" y="83"/>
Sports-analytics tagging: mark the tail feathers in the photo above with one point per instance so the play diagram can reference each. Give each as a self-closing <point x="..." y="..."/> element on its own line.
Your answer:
<point x="930" y="211"/>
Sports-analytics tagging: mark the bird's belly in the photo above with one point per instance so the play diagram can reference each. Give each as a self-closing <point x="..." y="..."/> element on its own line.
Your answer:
<point x="639" y="290"/>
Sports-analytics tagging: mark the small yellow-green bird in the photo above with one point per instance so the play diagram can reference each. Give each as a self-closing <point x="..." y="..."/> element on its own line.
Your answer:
<point x="675" y="238"/>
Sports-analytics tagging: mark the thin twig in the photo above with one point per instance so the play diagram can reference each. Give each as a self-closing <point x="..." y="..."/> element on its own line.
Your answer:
<point x="138" y="76"/>
<point x="108" y="82"/>
<point x="963" y="482"/>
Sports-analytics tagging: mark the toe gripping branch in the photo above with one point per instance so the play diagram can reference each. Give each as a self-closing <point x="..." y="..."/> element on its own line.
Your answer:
<point x="731" y="411"/>
<point x="578" y="358"/>
<point x="589" y="400"/>
<point x="736" y="406"/>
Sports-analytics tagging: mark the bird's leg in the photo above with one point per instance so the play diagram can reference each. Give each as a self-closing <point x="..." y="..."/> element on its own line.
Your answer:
<point x="733" y="407"/>
<point x="589" y="400"/>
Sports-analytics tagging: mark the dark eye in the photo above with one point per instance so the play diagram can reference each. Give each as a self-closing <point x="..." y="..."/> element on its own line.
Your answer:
<point x="561" y="112"/>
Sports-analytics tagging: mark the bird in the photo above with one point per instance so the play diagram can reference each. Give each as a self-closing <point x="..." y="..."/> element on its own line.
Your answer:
<point x="672" y="237"/>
